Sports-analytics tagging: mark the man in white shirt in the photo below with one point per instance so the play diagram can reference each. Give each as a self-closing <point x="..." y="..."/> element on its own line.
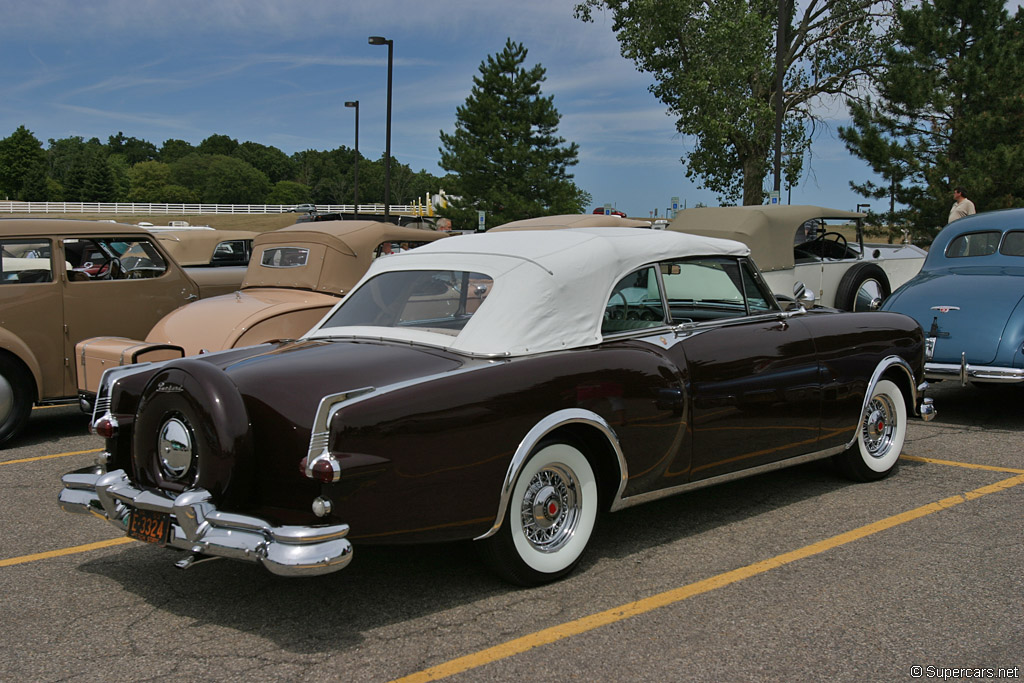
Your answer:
<point x="962" y="206"/>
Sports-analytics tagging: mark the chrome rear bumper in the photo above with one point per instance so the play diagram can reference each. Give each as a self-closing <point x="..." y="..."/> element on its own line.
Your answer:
<point x="964" y="372"/>
<point x="197" y="526"/>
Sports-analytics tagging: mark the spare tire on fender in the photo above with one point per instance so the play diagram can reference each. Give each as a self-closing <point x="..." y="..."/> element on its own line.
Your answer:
<point x="192" y="431"/>
<point x="863" y="288"/>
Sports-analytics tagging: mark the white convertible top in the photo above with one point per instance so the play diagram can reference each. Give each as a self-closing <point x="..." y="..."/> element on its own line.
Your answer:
<point x="550" y="286"/>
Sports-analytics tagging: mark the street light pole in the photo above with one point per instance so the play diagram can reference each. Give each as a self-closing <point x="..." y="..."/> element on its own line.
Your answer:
<point x="380" y="40"/>
<point x="355" y="191"/>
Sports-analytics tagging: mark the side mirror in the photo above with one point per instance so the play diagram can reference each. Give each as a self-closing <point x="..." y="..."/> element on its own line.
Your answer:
<point x="803" y="296"/>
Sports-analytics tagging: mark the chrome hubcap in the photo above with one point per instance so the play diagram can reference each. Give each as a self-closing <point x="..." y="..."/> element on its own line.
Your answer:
<point x="869" y="296"/>
<point x="175" y="448"/>
<point x="878" y="426"/>
<point x="550" y="508"/>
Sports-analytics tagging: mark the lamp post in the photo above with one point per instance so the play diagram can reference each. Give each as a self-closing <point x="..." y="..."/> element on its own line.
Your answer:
<point x="380" y="40"/>
<point x="355" y="190"/>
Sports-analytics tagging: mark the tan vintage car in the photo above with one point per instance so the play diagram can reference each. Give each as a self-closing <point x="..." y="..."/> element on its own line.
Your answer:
<point x="795" y="243"/>
<point x="295" y="276"/>
<point x="62" y="281"/>
<point x="195" y="248"/>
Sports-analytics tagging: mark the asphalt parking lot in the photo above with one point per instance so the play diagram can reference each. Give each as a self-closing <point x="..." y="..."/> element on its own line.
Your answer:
<point x="793" y="575"/>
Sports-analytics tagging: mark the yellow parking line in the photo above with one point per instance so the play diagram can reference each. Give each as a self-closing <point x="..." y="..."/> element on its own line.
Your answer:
<point x="65" y="551"/>
<point x="48" y="457"/>
<point x="622" y="612"/>
<point x="968" y="465"/>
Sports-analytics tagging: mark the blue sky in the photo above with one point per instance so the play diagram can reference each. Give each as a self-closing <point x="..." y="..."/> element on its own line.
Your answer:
<point x="278" y="73"/>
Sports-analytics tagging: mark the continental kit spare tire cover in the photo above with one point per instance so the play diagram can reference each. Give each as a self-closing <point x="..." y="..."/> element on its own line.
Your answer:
<point x="192" y="431"/>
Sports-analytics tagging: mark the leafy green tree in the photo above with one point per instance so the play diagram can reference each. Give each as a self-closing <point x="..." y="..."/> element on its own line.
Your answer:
<point x="148" y="181"/>
<point x="714" y="67"/>
<point x="22" y="166"/>
<point x="133" y="149"/>
<point x="191" y="171"/>
<point x="172" y="150"/>
<point x="289" y="192"/>
<point x="949" y="110"/>
<point x="232" y="181"/>
<point x="273" y="162"/>
<point x="505" y="149"/>
<point x="218" y="144"/>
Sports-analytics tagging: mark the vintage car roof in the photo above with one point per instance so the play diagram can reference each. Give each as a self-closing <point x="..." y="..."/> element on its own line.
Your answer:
<point x="341" y="252"/>
<point x="43" y="227"/>
<point x="549" y="287"/>
<point x="195" y="247"/>
<point x="1007" y="219"/>
<point x="767" y="230"/>
<point x="571" y="221"/>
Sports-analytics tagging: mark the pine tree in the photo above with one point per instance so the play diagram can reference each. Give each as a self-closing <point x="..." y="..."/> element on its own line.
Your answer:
<point x="505" y="150"/>
<point x="949" y="108"/>
<point x="22" y="159"/>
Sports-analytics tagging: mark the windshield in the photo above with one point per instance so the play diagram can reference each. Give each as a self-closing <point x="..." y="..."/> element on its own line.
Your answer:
<point x="440" y="300"/>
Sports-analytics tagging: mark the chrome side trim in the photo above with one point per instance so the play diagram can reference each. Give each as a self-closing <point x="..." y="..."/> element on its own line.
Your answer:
<point x="321" y="432"/>
<point x="535" y="435"/>
<point x="964" y="372"/>
<point x="197" y="526"/>
<point x="622" y="503"/>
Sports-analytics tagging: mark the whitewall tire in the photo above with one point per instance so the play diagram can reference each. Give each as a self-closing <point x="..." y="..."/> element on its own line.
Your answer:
<point x="550" y="517"/>
<point x="881" y="431"/>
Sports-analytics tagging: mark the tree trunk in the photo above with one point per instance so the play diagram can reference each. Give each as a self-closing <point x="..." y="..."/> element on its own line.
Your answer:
<point x="753" y="180"/>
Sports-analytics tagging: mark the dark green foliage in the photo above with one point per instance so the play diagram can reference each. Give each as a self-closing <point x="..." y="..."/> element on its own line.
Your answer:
<point x="505" y="150"/>
<point x="172" y="150"/>
<point x="22" y="167"/>
<point x="133" y="149"/>
<point x="218" y="170"/>
<point x="950" y="112"/>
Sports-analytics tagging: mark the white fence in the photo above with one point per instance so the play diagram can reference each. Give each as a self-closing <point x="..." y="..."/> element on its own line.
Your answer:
<point x="138" y="208"/>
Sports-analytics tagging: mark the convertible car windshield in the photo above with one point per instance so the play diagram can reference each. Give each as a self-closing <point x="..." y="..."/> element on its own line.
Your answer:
<point x="442" y="300"/>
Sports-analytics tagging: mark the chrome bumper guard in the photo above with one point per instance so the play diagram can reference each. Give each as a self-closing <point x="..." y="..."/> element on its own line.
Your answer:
<point x="197" y="526"/>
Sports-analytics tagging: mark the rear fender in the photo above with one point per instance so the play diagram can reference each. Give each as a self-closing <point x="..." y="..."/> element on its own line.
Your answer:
<point x="572" y="417"/>
<point x="17" y="348"/>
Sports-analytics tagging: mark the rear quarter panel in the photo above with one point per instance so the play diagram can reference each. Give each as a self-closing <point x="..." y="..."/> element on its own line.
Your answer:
<point x="427" y="461"/>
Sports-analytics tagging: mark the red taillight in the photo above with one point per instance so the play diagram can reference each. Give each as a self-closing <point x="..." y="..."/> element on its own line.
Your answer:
<point x="106" y="427"/>
<point x="324" y="468"/>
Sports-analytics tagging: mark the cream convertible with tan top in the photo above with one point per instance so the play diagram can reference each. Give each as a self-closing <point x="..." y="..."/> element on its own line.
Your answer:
<point x="295" y="276"/>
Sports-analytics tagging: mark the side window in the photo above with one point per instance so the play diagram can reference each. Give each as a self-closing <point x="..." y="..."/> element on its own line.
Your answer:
<point x="974" y="244"/>
<point x="758" y="299"/>
<point x="112" y="258"/>
<point x="634" y="304"/>
<point x="713" y="288"/>
<point x="232" y="253"/>
<point x="284" y="257"/>
<point x="1013" y="243"/>
<point x="25" y="261"/>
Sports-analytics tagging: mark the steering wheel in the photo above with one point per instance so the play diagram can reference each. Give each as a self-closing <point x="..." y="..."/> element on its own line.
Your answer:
<point x="841" y="244"/>
<point x="623" y="313"/>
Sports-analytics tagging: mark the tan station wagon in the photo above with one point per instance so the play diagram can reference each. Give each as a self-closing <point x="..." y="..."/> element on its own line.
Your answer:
<point x="62" y="281"/>
<point x="295" y="276"/>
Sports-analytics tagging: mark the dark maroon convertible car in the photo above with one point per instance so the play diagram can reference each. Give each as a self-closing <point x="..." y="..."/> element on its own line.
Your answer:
<point x="504" y="388"/>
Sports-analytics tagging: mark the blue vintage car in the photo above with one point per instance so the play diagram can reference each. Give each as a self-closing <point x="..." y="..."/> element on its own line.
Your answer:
<point x="969" y="299"/>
